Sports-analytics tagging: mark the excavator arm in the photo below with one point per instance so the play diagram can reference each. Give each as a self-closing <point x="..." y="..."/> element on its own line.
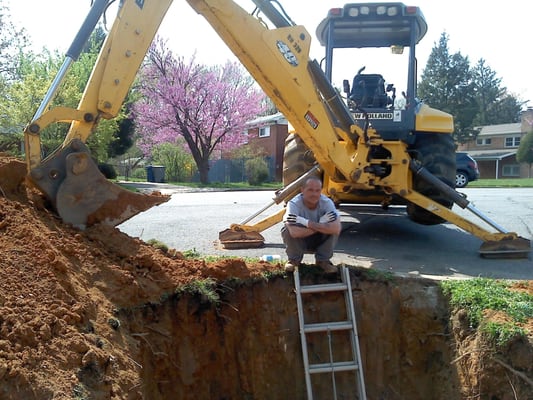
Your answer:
<point x="69" y="177"/>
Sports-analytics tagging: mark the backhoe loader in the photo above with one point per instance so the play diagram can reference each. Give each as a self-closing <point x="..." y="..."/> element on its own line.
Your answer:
<point x="370" y="146"/>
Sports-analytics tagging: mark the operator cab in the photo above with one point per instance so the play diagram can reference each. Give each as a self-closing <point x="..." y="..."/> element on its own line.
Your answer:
<point x="393" y="26"/>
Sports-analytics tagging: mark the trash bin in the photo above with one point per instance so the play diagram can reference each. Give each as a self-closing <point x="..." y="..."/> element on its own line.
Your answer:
<point x="155" y="173"/>
<point x="150" y="174"/>
<point x="159" y="173"/>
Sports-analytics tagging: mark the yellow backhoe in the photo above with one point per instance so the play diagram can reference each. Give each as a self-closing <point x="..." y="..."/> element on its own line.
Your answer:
<point x="370" y="146"/>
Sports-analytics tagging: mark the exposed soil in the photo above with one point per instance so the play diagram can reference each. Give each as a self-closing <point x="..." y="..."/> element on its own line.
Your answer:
<point x="97" y="314"/>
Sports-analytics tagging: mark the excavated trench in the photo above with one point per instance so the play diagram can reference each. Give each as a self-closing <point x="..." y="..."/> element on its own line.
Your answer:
<point x="248" y="346"/>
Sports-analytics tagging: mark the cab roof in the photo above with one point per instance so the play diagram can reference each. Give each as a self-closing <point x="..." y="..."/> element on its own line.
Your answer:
<point x="372" y="25"/>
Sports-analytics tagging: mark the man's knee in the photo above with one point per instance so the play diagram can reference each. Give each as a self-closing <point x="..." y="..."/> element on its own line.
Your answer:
<point x="327" y="245"/>
<point x="285" y="235"/>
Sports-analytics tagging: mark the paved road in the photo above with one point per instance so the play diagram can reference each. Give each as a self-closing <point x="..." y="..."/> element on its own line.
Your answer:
<point x="192" y="220"/>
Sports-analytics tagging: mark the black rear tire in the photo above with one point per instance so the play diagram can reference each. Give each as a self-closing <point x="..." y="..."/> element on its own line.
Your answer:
<point x="297" y="159"/>
<point x="436" y="152"/>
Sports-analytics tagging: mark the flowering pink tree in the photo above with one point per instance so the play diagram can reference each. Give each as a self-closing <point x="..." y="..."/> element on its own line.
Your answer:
<point x="207" y="106"/>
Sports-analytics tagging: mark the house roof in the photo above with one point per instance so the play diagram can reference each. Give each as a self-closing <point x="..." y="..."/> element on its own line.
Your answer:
<point x="277" y="118"/>
<point x="486" y="155"/>
<point x="501" y="129"/>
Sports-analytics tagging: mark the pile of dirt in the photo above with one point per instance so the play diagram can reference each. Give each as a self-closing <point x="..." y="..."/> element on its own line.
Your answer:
<point x="97" y="314"/>
<point x="60" y="288"/>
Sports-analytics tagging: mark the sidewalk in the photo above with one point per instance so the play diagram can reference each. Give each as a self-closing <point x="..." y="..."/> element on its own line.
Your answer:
<point x="167" y="188"/>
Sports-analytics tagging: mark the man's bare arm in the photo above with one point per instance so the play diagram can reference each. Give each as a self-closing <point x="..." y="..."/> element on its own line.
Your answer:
<point x="298" y="232"/>
<point x="327" y="228"/>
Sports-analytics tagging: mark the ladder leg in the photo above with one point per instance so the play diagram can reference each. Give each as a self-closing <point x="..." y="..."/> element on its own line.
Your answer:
<point x="303" y="338"/>
<point x="354" y="336"/>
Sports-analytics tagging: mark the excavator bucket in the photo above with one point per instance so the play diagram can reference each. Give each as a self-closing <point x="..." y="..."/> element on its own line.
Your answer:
<point x="80" y="193"/>
<point x="512" y="247"/>
<point x="235" y="238"/>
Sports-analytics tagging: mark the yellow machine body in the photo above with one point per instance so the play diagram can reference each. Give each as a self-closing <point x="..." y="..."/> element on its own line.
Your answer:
<point x="360" y="159"/>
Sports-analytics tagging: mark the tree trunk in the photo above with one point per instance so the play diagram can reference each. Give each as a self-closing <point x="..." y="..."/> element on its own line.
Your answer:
<point x="203" y="169"/>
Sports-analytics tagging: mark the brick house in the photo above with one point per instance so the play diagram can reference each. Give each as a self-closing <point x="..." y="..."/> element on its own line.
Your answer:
<point x="495" y="149"/>
<point x="268" y="134"/>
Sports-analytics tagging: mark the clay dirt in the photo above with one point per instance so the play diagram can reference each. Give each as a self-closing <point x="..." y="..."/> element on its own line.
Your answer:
<point x="96" y="314"/>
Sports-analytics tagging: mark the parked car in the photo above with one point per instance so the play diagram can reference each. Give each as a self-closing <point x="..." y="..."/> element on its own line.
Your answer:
<point x="466" y="170"/>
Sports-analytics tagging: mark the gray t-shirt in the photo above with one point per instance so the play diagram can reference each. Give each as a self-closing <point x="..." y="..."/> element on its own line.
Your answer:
<point x="297" y="207"/>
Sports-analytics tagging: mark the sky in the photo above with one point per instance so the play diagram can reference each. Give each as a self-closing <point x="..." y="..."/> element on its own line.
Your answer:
<point x="500" y="34"/>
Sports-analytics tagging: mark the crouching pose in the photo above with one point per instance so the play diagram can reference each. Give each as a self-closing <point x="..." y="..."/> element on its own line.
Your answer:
<point x="311" y="224"/>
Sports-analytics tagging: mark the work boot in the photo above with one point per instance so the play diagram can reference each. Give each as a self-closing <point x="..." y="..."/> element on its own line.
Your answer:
<point x="291" y="264"/>
<point x="327" y="266"/>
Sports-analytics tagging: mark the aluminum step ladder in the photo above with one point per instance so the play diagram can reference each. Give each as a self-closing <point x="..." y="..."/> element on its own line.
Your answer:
<point x="350" y="325"/>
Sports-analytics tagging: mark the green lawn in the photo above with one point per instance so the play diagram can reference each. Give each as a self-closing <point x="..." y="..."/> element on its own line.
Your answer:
<point x="232" y="185"/>
<point x="525" y="182"/>
<point x="219" y="185"/>
<point x="481" y="183"/>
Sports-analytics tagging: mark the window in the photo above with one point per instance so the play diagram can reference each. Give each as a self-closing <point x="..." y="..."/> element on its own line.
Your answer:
<point x="511" y="170"/>
<point x="264" y="131"/>
<point x="484" y="141"/>
<point x="513" y="141"/>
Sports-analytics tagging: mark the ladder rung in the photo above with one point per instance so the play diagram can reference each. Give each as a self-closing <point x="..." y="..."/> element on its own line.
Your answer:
<point x="333" y="367"/>
<point x="328" y="326"/>
<point x="328" y="287"/>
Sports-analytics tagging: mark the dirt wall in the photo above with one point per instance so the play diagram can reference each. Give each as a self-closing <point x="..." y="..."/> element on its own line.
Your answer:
<point x="249" y="346"/>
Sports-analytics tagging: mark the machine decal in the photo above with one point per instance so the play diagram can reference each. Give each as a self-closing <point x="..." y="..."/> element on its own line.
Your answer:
<point x="382" y="115"/>
<point x="311" y="119"/>
<point x="397" y="116"/>
<point x="296" y="47"/>
<point x="287" y="53"/>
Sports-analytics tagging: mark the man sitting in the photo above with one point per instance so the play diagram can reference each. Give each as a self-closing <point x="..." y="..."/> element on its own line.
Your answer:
<point x="311" y="224"/>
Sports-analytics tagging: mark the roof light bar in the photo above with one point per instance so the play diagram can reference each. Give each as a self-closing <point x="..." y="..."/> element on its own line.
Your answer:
<point x="363" y="10"/>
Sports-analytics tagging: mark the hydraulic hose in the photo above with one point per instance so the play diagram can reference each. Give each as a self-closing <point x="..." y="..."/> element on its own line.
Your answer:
<point x="454" y="195"/>
<point x="73" y="53"/>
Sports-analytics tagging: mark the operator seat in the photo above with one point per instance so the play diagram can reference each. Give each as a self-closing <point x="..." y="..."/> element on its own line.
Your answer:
<point x="368" y="90"/>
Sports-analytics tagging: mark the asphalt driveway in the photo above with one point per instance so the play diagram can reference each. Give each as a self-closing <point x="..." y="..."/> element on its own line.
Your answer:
<point x="192" y="220"/>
